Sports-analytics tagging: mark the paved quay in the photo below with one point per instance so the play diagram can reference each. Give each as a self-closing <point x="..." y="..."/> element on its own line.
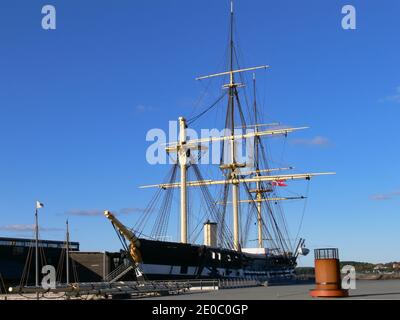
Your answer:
<point x="365" y="289"/>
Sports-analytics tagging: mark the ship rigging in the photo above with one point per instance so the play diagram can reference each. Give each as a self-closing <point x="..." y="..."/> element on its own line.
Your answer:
<point x="225" y="255"/>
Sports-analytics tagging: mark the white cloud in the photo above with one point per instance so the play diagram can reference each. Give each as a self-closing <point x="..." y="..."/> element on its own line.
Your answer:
<point x="385" y="196"/>
<point x="380" y="197"/>
<point x="131" y="210"/>
<point x="144" y="108"/>
<point x="316" y="141"/>
<point x="395" y="97"/>
<point x="99" y="213"/>
<point x="86" y="213"/>
<point x="26" y="228"/>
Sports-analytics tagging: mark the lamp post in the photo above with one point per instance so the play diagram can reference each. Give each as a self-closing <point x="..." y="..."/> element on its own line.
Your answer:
<point x="38" y="206"/>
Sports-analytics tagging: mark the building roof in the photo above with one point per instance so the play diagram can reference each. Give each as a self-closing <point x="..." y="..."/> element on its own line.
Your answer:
<point x="23" y="242"/>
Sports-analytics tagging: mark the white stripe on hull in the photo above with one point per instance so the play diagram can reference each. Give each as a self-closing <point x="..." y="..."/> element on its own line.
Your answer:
<point x="159" y="269"/>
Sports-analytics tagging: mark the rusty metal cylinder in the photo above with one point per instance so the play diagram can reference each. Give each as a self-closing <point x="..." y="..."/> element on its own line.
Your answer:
<point x="327" y="274"/>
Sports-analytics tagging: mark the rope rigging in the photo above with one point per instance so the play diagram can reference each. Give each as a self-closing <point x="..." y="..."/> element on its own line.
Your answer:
<point x="303" y="212"/>
<point x="161" y="224"/>
<point x="193" y="119"/>
<point x="225" y="236"/>
<point x="274" y="224"/>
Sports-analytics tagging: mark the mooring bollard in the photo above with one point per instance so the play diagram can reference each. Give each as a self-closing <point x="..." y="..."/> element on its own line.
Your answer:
<point x="327" y="274"/>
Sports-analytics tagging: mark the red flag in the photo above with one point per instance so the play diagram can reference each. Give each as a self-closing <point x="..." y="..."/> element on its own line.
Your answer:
<point x="279" y="183"/>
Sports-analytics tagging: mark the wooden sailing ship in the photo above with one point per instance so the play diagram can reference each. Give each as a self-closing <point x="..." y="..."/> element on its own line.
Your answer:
<point x="221" y="255"/>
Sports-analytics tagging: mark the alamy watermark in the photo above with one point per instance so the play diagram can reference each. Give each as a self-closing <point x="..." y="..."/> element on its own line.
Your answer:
<point x="49" y="279"/>
<point x="202" y="147"/>
<point x="349" y="278"/>
<point x="349" y="21"/>
<point x="49" y="18"/>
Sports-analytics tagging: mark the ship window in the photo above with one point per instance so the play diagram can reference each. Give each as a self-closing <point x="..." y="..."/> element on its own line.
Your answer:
<point x="184" y="269"/>
<point x="228" y="257"/>
<point x="219" y="256"/>
<point x="213" y="254"/>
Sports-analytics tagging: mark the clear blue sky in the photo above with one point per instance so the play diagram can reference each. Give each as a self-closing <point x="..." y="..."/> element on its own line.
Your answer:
<point x="76" y="103"/>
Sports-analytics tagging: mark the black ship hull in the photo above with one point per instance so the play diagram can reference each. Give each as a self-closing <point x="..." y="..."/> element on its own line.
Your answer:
<point x="170" y="260"/>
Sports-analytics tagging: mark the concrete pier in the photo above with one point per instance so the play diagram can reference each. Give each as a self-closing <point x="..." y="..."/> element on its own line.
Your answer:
<point x="365" y="289"/>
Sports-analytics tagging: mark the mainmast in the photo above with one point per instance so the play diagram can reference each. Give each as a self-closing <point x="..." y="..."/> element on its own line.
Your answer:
<point x="182" y="155"/>
<point x="233" y="166"/>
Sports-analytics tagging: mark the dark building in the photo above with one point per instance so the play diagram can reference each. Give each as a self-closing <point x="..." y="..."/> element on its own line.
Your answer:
<point x="17" y="259"/>
<point x="17" y="262"/>
<point x="96" y="266"/>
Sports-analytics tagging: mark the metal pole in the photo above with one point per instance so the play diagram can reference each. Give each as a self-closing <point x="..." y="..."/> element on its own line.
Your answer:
<point x="36" y="249"/>
<point x="67" y="258"/>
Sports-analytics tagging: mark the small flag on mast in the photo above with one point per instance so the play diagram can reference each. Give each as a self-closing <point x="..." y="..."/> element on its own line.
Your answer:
<point x="279" y="183"/>
<point x="39" y="205"/>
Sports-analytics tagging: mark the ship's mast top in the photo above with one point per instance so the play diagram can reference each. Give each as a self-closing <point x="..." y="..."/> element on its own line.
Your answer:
<point x="231" y="102"/>
<point x="231" y="80"/>
<point x="231" y="71"/>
